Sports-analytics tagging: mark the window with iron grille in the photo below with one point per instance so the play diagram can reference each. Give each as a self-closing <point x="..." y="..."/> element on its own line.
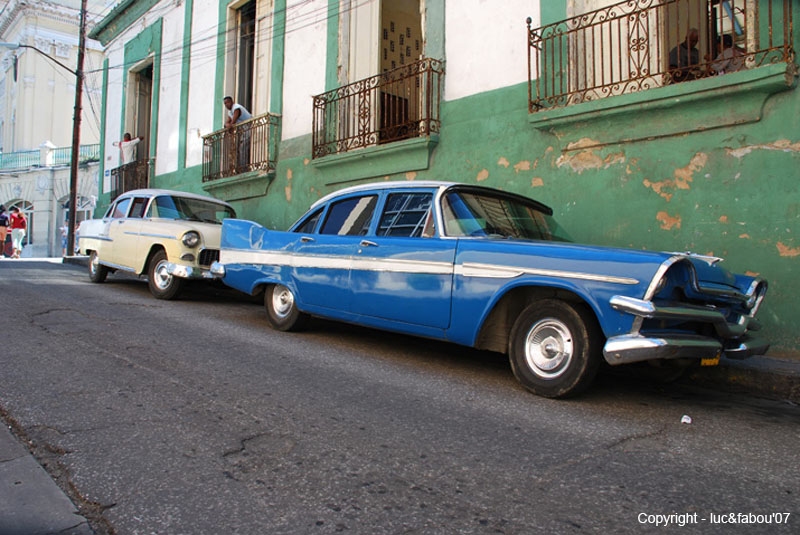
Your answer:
<point x="637" y="45"/>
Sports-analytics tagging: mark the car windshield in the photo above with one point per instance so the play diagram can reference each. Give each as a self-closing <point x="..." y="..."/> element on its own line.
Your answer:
<point x="189" y="209"/>
<point x="497" y="216"/>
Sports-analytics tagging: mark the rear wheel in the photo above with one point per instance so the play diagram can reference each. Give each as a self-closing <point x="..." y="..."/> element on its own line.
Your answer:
<point x="162" y="284"/>
<point x="97" y="271"/>
<point x="554" y="350"/>
<point x="282" y="311"/>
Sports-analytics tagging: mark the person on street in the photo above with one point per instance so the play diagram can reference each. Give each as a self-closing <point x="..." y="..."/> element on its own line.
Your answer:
<point x="4" y="222"/>
<point x="19" y="224"/>
<point x="127" y="148"/>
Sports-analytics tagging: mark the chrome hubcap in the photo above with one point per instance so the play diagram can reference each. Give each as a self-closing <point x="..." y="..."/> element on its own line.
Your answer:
<point x="93" y="263"/>
<point x="161" y="277"/>
<point x="282" y="301"/>
<point x="549" y="348"/>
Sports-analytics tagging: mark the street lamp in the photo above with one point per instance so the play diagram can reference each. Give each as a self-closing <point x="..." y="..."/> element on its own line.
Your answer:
<point x="76" y="122"/>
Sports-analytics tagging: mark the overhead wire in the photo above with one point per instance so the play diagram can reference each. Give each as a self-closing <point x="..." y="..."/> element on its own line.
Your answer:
<point x="210" y="51"/>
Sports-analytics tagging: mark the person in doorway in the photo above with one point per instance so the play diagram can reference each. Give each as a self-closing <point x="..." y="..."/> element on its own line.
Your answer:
<point x="127" y="147"/>
<point x="4" y="222"/>
<point x="19" y="225"/>
<point x="240" y="140"/>
<point x="684" y="59"/>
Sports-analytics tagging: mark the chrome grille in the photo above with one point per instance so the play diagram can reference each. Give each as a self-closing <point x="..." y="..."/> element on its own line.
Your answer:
<point x="207" y="256"/>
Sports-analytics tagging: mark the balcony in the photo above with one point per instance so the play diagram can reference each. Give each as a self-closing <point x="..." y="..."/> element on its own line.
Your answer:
<point x="130" y="176"/>
<point x="247" y="147"/>
<point x="47" y="157"/>
<point x="396" y="105"/>
<point x="632" y="46"/>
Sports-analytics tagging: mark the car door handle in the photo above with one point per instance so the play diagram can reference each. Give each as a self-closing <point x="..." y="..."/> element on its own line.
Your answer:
<point x="367" y="243"/>
<point x="307" y="239"/>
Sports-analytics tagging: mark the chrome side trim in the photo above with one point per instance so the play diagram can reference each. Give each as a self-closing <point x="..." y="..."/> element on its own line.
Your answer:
<point x="474" y="269"/>
<point x="101" y="238"/>
<point x="165" y="236"/>
<point x="467" y="269"/>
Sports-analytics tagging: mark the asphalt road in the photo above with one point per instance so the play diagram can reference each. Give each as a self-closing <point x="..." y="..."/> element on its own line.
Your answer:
<point x="193" y="417"/>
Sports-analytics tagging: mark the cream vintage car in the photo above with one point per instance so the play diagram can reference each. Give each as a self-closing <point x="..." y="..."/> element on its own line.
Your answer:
<point x="170" y="236"/>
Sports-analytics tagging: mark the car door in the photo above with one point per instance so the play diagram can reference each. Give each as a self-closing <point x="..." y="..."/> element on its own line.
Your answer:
<point x="124" y="231"/>
<point x="116" y="238"/>
<point x="321" y="260"/>
<point x="404" y="271"/>
<point x="127" y="252"/>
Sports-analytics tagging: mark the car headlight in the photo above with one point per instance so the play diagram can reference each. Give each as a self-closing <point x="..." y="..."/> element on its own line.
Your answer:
<point x="191" y="239"/>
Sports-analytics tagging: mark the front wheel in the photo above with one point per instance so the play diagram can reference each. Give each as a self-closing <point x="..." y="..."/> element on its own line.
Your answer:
<point x="554" y="350"/>
<point x="97" y="271"/>
<point x="282" y="311"/>
<point x="162" y="284"/>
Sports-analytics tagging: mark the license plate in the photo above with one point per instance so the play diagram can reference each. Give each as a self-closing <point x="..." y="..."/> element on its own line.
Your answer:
<point x="713" y="361"/>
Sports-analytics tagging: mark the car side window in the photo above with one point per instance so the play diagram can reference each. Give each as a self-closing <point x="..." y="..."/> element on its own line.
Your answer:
<point x="350" y="217"/>
<point x="407" y="215"/>
<point x="308" y="226"/>
<point x="139" y="204"/>
<point x="121" y="209"/>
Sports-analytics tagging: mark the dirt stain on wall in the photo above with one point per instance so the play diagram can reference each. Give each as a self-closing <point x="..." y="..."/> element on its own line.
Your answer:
<point x="483" y="175"/>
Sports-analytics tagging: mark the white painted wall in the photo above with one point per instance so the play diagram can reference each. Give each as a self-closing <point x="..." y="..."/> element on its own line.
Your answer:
<point x="169" y="102"/>
<point x="486" y="45"/>
<point x="304" y="66"/>
<point x="202" y="78"/>
<point x="116" y="58"/>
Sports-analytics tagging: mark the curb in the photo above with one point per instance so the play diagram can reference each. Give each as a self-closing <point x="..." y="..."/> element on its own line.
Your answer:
<point x="77" y="260"/>
<point x="768" y="377"/>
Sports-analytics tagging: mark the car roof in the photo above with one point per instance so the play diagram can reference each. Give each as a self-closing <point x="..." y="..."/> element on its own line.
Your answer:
<point x="400" y="184"/>
<point x="149" y="192"/>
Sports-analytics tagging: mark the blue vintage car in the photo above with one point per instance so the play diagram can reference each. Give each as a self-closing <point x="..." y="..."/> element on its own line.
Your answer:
<point x="489" y="269"/>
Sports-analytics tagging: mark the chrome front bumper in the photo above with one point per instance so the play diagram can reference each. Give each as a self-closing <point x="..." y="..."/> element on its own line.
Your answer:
<point x="188" y="272"/>
<point x="634" y="347"/>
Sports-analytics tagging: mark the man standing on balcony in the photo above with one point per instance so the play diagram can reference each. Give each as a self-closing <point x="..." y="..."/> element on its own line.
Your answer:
<point x="127" y="147"/>
<point x="684" y="59"/>
<point x="238" y="114"/>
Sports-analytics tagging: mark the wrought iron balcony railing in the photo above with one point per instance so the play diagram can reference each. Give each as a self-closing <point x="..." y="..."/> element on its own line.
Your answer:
<point x="130" y="176"/>
<point x="399" y="104"/>
<point x="642" y="44"/>
<point x="251" y="145"/>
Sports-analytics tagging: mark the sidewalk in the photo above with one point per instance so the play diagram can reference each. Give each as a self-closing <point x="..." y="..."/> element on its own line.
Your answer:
<point x="30" y="501"/>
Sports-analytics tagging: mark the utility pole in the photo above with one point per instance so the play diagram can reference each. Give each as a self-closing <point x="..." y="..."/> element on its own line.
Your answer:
<point x="76" y="134"/>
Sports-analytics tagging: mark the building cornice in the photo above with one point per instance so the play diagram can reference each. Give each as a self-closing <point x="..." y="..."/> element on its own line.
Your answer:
<point x="119" y="19"/>
<point x="41" y="9"/>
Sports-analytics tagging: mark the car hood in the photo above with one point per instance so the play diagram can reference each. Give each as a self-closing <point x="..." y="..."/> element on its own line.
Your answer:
<point x="639" y="264"/>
